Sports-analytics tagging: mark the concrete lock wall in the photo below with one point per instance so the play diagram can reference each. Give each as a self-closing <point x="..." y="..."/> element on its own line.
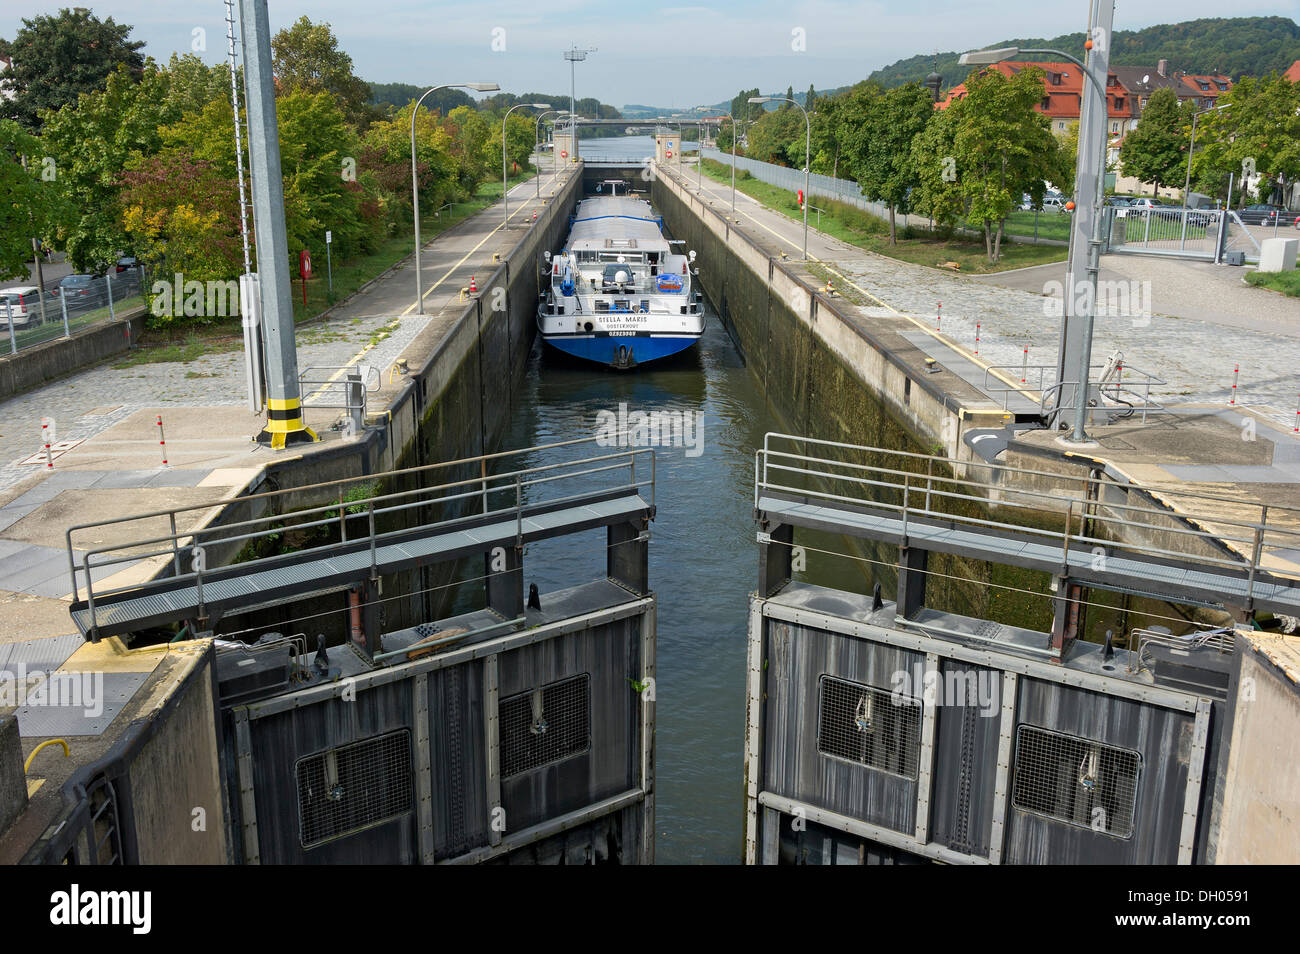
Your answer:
<point x="176" y="785"/>
<point x="1260" y="819"/>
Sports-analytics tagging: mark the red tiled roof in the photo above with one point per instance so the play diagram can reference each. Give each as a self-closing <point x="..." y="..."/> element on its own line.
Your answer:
<point x="1293" y="74"/>
<point x="1204" y="85"/>
<point x="1061" y="88"/>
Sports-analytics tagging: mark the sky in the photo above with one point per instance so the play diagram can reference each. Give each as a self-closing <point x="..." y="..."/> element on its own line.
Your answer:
<point x="678" y="56"/>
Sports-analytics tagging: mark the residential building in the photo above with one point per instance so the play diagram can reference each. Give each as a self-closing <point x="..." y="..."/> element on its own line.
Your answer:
<point x="1062" y="95"/>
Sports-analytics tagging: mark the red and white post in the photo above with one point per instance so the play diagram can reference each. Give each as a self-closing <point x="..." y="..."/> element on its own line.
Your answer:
<point x="162" y="441"/>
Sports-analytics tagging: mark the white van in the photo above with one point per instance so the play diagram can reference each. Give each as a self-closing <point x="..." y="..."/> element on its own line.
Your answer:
<point x="21" y="306"/>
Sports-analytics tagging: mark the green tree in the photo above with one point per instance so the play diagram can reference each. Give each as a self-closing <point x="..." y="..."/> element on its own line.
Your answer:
<point x="938" y="191"/>
<point x="387" y="152"/>
<point x="1260" y="130"/>
<point x="56" y="58"/>
<point x="879" y="149"/>
<point x="1156" y="151"/>
<point x="519" y="142"/>
<point x="194" y="84"/>
<point x="30" y="202"/>
<point x="182" y="216"/>
<point x="1000" y="147"/>
<point x="318" y="153"/>
<point x="91" y="144"/>
<point x="469" y="133"/>
<point x="306" y="57"/>
<point x="772" y="136"/>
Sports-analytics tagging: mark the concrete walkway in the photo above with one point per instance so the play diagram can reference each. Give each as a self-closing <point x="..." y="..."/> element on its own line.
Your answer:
<point x="107" y="459"/>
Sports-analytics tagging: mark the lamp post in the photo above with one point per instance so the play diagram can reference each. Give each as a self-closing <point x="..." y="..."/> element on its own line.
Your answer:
<point x="807" y="157"/>
<point x="505" y="186"/>
<point x="699" y="153"/>
<point x="732" y="117"/>
<point x="1075" y="349"/>
<point x="415" y="181"/>
<point x="537" y="126"/>
<point x="574" y="56"/>
<point x="1187" y="182"/>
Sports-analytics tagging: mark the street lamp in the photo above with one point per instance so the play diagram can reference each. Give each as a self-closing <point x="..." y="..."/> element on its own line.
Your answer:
<point x="1084" y="168"/>
<point x="807" y="157"/>
<point x="415" y="182"/>
<point x="699" y="153"/>
<point x="574" y="56"/>
<point x="537" y="127"/>
<point x="1187" y="183"/>
<point x="505" y="191"/>
<point x="731" y="115"/>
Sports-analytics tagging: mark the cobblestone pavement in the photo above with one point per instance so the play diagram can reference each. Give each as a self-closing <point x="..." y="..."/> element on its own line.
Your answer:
<point x="1194" y="357"/>
<point x="1193" y="323"/>
<point x="91" y="401"/>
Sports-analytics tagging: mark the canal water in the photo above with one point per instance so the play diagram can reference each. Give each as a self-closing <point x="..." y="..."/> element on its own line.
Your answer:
<point x="703" y="556"/>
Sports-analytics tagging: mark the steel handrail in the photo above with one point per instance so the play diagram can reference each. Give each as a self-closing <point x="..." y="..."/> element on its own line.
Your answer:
<point x="193" y="539"/>
<point x="374" y="536"/>
<point x="1028" y="492"/>
<point x="991" y="465"/>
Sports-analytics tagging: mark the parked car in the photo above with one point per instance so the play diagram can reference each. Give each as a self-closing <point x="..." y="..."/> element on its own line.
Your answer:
<point x="126" y="262"/>
<point x="1263" y="214"/>
<point x="86" y="291"/>
<point x="21" y="306"/>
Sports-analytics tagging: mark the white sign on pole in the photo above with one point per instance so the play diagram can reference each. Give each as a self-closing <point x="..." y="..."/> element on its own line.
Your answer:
<point x="329" y="237"/>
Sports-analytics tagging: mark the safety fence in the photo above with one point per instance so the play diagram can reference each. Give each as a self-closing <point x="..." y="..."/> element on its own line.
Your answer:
<point x="31" y="316"/>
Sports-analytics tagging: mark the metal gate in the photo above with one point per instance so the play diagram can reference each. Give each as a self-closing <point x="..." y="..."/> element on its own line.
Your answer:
<point x="1201" y="234"/>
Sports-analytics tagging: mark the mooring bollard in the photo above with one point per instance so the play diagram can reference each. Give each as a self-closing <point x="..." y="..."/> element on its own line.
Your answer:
<point x="162" y="441"/>
<point x="1236" y="369"/>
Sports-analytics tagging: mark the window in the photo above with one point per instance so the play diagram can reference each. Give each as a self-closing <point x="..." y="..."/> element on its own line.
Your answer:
<point x="1047" y="101"/>
<point x="355" y="786"/>
<point x="545" y="725"/>
<point x="1144" y="102"/>
<point x="1075" y="780"/>
<point x="1060" y="125"/>
<point x="869" y="726"/>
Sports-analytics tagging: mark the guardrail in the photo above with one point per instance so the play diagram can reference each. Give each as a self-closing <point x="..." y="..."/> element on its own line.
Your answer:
<point x="1110" y="383"/>
<point x="523" y="490"/>
<point x="880" y="478"/>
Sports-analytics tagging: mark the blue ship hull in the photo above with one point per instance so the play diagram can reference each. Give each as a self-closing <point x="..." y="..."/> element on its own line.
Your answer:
<point x="622" y="351"/>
